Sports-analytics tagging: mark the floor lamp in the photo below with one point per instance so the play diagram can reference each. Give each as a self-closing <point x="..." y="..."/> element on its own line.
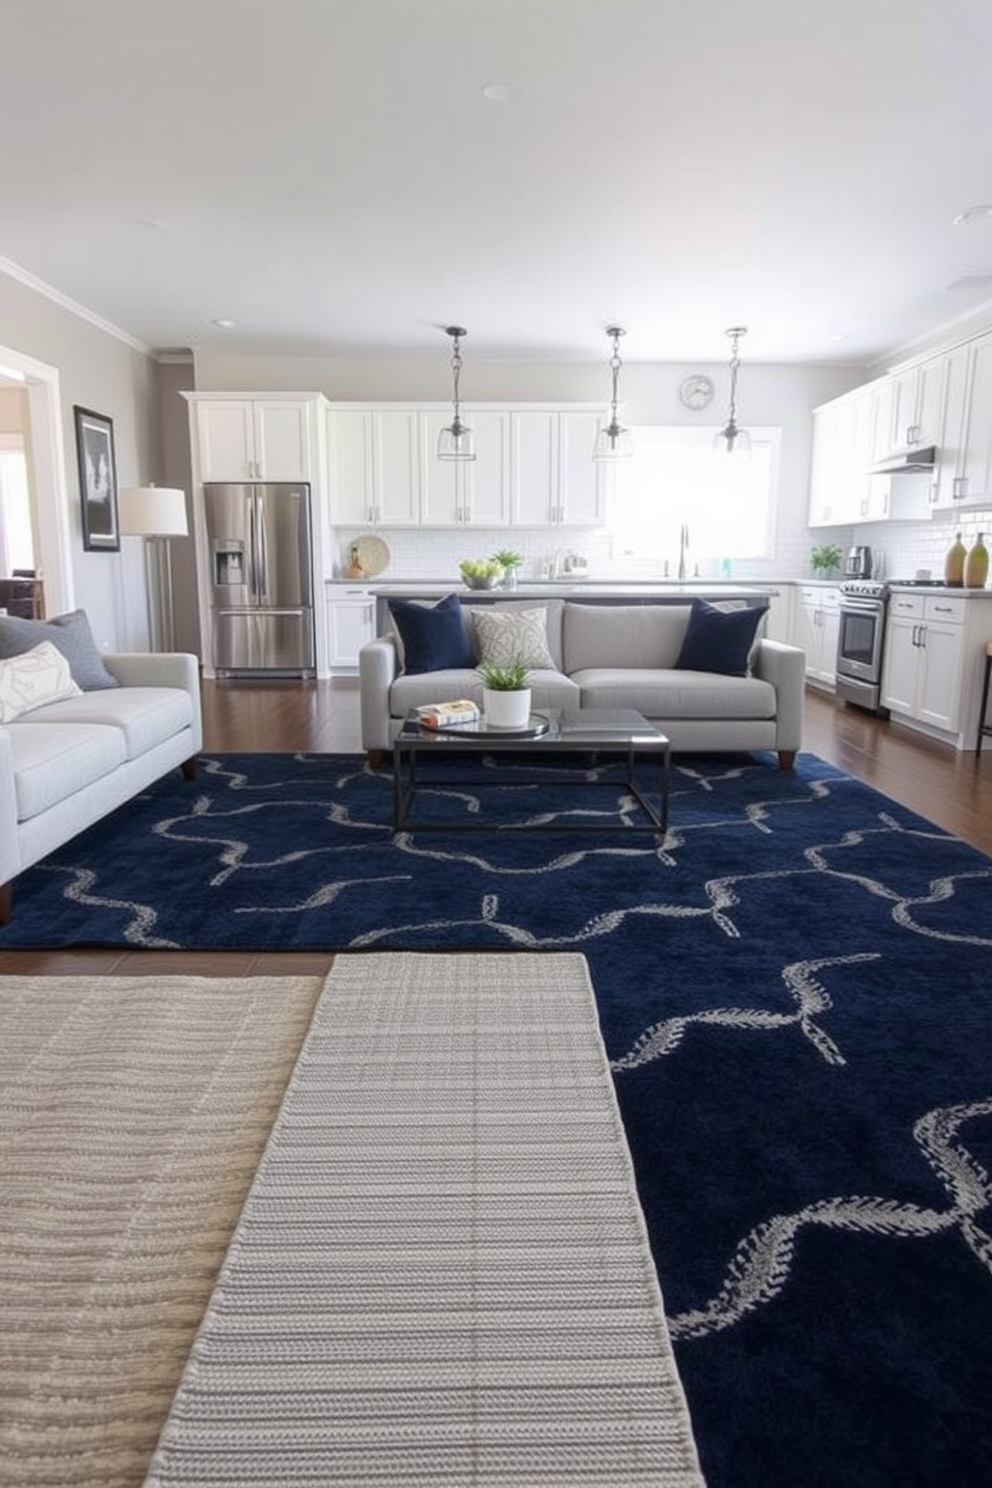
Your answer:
<point x="158" y="514"/>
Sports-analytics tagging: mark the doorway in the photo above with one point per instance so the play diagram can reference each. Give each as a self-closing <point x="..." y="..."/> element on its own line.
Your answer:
<point x="44" y="455"/>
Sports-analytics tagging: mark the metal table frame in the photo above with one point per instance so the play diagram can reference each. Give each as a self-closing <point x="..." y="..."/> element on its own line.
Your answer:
<point x="630" y="736"/>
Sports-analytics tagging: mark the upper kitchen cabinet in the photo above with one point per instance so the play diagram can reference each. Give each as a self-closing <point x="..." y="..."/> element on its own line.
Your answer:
<point x="463" y="493"/>
<point x="839" y="487"/>
<point x="964" y="455"/>
<point x="243" y="439"/>
<point x="373" y="460"/>
<point x="554" y="480"/>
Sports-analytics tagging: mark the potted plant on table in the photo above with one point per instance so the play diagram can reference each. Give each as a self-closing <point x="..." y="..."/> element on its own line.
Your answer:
<point x="509" y="562"/>
<point x="506" y="694"/>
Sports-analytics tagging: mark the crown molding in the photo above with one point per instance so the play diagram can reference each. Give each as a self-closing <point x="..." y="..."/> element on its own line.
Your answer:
<point x="31" y="281"/>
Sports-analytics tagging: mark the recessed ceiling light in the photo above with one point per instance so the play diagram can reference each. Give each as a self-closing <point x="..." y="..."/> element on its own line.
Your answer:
<point x="981" y="213"/>
<point x="224" y="324"/>
<point x="838" y="337"/>
<point x="502" y="91"/>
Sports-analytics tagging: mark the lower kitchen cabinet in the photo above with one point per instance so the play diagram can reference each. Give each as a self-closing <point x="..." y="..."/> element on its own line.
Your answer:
<point x="350" y="624"/>
<point x="924" y="659"/>
<point x="817" y="627"/>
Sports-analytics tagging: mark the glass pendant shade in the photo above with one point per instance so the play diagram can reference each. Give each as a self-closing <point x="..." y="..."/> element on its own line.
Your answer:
<point x="456" y="441"/>
<point x="613" y="442"/>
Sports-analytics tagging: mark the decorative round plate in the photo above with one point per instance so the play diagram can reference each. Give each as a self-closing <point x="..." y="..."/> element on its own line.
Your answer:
<point x="372" y="554"/>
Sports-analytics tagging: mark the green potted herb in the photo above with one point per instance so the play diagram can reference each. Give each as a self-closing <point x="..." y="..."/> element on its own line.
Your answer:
<point x="826" y="559"/>
<point x="506" y="694"/>
<point x="509" y="562"/>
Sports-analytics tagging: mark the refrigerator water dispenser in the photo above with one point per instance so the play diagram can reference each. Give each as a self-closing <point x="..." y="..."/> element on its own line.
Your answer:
<point x="229" y="563"/>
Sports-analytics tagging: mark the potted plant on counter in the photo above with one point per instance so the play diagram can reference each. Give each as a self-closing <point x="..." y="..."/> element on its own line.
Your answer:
<point x="505" y="694"/>
<point x="509" y="562"/>
<point x="825" y="560"/>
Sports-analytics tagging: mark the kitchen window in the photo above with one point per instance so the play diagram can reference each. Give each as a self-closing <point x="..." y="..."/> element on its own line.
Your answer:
<point x="675" y="479"/>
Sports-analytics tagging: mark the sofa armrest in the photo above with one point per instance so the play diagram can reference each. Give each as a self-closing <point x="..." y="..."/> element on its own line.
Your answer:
<point x="161" y="669"/>
<point x="378" y="664"/>
<point x="785" y="668"/>
<point x="9" y="851"/>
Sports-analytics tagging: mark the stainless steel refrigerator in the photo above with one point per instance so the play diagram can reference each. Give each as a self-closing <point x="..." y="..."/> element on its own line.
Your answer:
<point x="261" y="578"/>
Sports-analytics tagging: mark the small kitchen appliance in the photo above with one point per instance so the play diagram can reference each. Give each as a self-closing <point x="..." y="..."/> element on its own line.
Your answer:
<point x="858" y="564"/>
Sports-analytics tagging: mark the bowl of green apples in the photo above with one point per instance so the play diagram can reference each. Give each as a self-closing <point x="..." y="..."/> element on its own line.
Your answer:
<point x="481" y="573"/>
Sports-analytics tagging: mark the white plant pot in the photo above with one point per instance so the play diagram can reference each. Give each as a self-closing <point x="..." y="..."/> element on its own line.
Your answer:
<point x="506" y="709"/>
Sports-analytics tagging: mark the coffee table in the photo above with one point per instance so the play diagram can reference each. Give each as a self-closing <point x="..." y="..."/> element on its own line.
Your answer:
<point x="599" y="731"/>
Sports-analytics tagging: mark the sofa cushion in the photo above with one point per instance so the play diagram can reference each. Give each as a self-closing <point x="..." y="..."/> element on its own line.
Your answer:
<point x="71" y="634"/>
<point x="434" y="636"/>
<point x="145" y="716"/>
<point x="669" y="693"/>
<point x="549" y="689"/>
<point x="718" y="640"/>
<point x="51" y="764"/>
<point x="33" y="678"/>
<point x="508" y="636"/>
<point x="622" y="635"/>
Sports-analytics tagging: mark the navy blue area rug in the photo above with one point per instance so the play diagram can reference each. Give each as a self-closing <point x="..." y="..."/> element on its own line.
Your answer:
<point x="795" y="990"/>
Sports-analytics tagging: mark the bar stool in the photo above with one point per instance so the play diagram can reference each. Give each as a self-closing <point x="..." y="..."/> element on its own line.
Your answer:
<point x="984" y="729"/>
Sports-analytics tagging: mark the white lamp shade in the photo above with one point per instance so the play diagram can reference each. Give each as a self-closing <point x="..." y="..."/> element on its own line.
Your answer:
<point x="152" y="511"/>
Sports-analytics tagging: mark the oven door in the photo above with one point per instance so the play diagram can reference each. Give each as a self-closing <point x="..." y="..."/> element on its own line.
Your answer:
<point x="859" y="640"/>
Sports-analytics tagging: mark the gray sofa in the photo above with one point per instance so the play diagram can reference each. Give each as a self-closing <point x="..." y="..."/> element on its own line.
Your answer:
<point x="66" y="764"/>
<point x="612" y="656"/>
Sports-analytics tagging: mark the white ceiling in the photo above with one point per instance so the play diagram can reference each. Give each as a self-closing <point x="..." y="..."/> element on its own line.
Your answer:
<point x="329" y="173"/>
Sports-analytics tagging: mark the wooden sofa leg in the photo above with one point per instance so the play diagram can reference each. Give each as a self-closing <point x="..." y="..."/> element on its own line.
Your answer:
<point x="787" y="759"/>
<point x="6" y="902"/>
<point x="189" y="768"/>
<point x="376" y="758"/>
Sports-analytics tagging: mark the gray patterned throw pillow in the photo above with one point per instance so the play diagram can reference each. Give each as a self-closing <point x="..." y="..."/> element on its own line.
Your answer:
<point x="506" y="636"/>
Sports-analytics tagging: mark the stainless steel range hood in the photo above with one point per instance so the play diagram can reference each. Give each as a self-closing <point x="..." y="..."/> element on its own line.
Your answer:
<point x="906" y="462"/>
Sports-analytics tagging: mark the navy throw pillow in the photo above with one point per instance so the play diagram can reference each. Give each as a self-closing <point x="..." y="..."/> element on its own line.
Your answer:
<point x="719" y="640"/>
<point x="434" y="637"/>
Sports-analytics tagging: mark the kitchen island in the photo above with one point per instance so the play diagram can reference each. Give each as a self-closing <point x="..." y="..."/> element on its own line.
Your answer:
<point x="583" y="591"/>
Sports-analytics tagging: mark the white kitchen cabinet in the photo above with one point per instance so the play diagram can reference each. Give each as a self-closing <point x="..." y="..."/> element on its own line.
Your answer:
<point x="373" y="467"/>
<point x="817" y="627"/>
<point x="965" y="475"/>
<point x="466" y="493"/>
<point x="554" y="481"/>
<point x="350" y="624"/>
<point x="924" y="658"/>
<point x="242" y="439"/>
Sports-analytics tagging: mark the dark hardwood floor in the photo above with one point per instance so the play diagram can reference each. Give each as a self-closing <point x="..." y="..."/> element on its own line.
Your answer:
<point x="953" y="790"/>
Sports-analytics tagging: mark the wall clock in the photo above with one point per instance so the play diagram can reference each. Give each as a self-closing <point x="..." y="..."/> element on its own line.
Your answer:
<point x="696" y="392"/>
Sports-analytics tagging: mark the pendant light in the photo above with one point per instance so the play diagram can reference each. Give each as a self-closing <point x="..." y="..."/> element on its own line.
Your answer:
<point x="456" y="441"/>
<point x="732" y="440"/>
<point x="613" y="442"/>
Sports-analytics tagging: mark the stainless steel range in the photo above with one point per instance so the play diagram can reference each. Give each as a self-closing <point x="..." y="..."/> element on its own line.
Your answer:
<point x="860" y="643"/>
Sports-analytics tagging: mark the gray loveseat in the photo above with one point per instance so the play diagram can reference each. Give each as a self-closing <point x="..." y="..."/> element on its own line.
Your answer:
<point x="66" y="764"/>
<point x="611" y="656"/>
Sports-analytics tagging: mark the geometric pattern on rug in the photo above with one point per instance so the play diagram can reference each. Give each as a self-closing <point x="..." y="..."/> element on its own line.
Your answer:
<point x="794" y="992"/>
<point x="441" y="1273"/>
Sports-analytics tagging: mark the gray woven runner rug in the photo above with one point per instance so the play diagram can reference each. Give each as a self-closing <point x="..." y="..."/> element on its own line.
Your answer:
<point x="441" y="1275"/>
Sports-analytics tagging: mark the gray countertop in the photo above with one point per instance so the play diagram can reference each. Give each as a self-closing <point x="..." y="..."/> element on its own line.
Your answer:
<point x="548" y="589"/>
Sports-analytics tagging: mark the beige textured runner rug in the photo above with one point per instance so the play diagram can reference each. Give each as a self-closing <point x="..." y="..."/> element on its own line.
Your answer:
<point x="133" y="1112"/>
<point x="441" y="1275"/>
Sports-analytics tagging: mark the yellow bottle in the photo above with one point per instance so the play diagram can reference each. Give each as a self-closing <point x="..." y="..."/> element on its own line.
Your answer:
<point x="954" y="563"/>
<point x="976" y="565"/>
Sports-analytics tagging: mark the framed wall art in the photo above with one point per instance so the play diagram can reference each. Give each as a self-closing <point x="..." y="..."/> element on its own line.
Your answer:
<point x="97" y="481"/>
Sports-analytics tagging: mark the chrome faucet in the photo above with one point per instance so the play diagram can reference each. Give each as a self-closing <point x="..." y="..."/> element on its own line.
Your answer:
<point x="683" y="545"/>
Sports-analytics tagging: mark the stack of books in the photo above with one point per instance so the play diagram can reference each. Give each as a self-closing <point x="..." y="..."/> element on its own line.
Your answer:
<point x="443" y="715"/>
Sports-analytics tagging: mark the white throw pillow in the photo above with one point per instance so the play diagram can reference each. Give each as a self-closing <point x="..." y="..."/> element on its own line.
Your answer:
<point x="506" y="636"/>
<point x="38" y="676"/>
